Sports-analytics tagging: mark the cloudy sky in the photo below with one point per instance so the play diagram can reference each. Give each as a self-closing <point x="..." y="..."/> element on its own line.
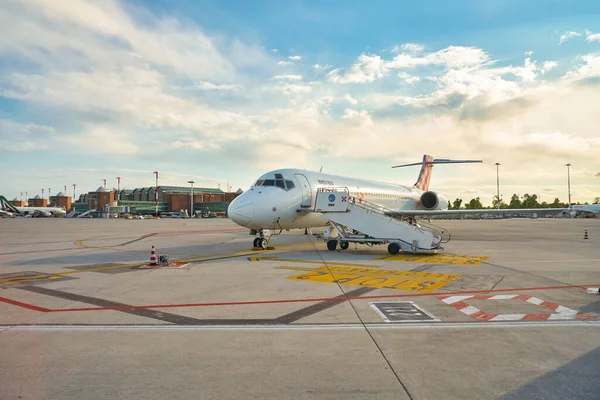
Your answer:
<point x="224" y="91"/>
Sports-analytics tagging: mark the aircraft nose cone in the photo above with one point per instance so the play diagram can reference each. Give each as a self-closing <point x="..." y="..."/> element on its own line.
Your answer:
<point x="241" y="214"/>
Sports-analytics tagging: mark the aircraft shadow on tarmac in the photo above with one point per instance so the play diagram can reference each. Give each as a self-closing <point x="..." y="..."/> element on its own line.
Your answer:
<point x="579" y="379"/>
<point x="592" y="308"/>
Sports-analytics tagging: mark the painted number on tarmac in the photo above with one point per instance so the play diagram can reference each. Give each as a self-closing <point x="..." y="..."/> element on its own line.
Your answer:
<point x="379" y="279"/>
<point x="401" y="311"/>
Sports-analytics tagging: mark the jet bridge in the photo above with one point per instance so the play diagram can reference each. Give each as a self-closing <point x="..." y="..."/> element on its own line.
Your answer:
<point x="358" y="221"/>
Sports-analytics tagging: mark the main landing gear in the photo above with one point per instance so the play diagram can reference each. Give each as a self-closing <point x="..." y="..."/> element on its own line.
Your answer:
<point x="332" y="245"/>
<point x="260" y="243"/>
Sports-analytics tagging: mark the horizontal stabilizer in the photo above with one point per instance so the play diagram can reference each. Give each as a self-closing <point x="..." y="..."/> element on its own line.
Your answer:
<point x="439" y="161"/>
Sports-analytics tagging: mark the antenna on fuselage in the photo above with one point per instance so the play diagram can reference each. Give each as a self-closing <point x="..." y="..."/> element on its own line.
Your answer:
<point x="321" y="170"/>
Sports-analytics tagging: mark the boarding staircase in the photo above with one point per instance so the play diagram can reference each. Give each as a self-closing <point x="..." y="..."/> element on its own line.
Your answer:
<point x="356" y="220"/>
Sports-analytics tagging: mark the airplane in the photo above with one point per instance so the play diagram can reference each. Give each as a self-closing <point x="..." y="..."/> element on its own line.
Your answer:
<point x="585" y="209"/>
<point x="7" y="209"/>
<point x="280" y="199"/>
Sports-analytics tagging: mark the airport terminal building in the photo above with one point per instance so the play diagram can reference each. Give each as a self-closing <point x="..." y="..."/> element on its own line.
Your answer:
<point x="170" y="199"/>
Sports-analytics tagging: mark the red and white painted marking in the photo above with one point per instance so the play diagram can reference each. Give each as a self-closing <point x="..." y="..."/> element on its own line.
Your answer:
<point x="560" y="312"/>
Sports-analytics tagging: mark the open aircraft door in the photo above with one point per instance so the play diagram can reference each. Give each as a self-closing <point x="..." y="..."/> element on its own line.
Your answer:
<point x="306" y="191"/>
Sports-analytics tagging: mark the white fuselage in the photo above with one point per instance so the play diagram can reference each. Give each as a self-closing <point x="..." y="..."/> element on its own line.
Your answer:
<point x="273" y="203"/>
<point x="43" y="210"/>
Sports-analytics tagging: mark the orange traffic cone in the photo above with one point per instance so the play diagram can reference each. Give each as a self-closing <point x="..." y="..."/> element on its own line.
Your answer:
<point x="152" y="257"/>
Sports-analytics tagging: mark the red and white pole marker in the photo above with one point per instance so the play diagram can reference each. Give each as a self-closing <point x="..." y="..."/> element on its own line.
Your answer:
<point x="153" y="257"/>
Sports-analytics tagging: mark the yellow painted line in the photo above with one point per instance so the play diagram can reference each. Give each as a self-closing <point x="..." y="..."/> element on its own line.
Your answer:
<point x="436" y="258"/>
<point x="319" y="262"/>
<point x="423" y="282"/>
<point x="23" y="278"/>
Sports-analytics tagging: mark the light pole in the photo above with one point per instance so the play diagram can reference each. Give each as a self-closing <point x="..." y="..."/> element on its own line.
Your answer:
<point x="156" y="193"/>
<point x="118" y="189"/>
<point x="498" y="185"/>
<point x="104" y="186"/>
<point x="191" y="198"/>
<point x="65" y="189"/>
<point x="569" y="180"/>
<point x="42" y="193"/>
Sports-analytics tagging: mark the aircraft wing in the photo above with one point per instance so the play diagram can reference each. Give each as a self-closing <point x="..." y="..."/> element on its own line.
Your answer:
<point x="426" y="213"/>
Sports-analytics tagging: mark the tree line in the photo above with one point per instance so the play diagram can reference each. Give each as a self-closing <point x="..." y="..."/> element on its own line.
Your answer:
<point x="526" y="201"/>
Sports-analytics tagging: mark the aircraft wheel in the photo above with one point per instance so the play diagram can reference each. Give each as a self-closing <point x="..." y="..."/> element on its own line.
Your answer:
<point x="255" y="243"/>
<point x="393" y="248"/>
<point x="262" y="243"/>
<point x="344" y="245"/>
<point x="331" y="245"/>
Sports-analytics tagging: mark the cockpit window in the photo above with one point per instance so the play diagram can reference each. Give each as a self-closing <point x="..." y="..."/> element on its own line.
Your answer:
<point x="279" y="182"/>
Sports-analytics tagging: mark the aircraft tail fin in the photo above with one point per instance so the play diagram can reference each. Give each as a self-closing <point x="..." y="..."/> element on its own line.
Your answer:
<point x="426" y="166"/>
<point x="6" y="205"/>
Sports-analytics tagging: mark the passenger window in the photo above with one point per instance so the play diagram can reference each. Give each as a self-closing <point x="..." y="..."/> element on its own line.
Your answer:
<point x="289" y="184"/>
<point x="280" y="183"/>
<point x="269" y="182"/>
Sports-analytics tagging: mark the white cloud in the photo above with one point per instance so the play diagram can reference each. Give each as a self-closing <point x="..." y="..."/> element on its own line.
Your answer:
<point x="320" y="66"/>
<point x="408" y="79"/>
<point x="283" y="63"/>
<point x="295" y="58"/>
<point x="590" y="68"/>
<point x="568" y="35"/>
<point x="592" y="37"/>
<point x="362" y="118"/>
<point x="16" y="136"/>
<point x="291" y="89"/>
<point x="409" y="47"/>
<point x="99" y="139"/>
<point x="288" y="77"/>
<point x="350" y="99"/>
<point x="548" y="65"/>
<point x="452" y="57"/>
<point x="274" y="50"/>
<point x="367" y="69"/>
<point x="529" y="53"/>
<point x="217" y="87"/>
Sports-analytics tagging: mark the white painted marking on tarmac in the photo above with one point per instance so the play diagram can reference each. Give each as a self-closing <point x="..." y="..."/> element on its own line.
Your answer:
<point x="566" y="311"/>
<point x="470" y="310"/>
<point x="503" y="297"/>
<point x="454" y="299"/>
<point x="535" y="300"/>
<point x="508" y="317"/>
<point x="419" y="325"/>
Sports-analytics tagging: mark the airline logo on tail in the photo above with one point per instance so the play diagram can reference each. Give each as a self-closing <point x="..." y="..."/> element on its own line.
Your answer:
<point x="6" y="205"/>
<point x="425" y="174"/>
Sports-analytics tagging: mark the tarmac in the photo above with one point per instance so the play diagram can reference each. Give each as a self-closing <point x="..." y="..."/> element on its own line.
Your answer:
<point x="506" y="311"/>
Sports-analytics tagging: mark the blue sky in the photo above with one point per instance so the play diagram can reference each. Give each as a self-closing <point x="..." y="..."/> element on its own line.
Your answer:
<point x="223" y="91"/>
